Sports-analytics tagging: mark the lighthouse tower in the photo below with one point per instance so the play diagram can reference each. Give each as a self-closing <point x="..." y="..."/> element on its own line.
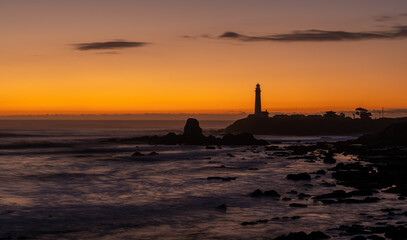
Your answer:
<point x="257" y="105"/>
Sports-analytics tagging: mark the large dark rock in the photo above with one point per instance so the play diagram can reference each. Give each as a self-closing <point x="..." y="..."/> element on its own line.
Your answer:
<point x="393" y="135"/>
<point x="192" y="132"/>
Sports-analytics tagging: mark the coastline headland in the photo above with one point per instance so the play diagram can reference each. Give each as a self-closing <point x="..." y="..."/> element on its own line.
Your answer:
<point x="330" y="123"/>
<point x="301" y="125"/>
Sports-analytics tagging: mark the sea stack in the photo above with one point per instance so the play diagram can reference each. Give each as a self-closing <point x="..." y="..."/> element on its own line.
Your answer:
<point x="192" y="132"/>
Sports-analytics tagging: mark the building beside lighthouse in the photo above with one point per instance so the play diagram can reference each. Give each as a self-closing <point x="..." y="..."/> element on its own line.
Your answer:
<point x="257" y="105"/>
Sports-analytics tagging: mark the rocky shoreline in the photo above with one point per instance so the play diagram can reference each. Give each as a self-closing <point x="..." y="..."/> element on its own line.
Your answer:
<point x="381" y="167"/>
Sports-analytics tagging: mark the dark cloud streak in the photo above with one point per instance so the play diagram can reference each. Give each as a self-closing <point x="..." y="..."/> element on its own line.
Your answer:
<point x="119" y="44"/>
<point x="385" y="18"/>
<point x="398" y="32"/>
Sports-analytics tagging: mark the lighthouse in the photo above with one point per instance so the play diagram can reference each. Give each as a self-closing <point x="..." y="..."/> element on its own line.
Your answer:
<point x="257" y="105"/>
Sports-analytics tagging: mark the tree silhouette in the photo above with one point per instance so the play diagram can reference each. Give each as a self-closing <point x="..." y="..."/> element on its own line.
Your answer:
<point x="363" y="113"/>
<point x="333" y="115"/>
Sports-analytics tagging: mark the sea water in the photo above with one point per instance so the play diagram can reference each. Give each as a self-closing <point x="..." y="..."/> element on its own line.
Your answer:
<point x="63" y="181"/>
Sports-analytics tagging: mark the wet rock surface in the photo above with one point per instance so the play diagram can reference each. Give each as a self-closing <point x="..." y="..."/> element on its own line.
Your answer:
<point x="269" y="193"/>
<point x="316" y="235"/>
<point x="299" y="176"/>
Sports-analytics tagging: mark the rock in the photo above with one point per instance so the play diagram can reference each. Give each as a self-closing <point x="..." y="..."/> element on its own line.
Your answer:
<point x="192" y="131"/>
<point x="375" y="237"/>
<point x="295" y="217"/>
<point x="390" y="209"/>
<point x="292" y="192"/>
<point x="271" y="193"/>
<point x="262" y="221"/>
<point x="248" y="223"/>
<point x="321" y="172"/>
<point x="334" y="194"/>
<point x="363" y="192"/>
<point x="252" y="169"/>
<point x="256" y="193"/>
<point x="366" y="200"/>
<point x="329" y="201"/>
<point x="329" y="158"/>
<point x="226" y="179"/>
<point x="210" y="147"/>
<point x="254" y="223"/>
<point x="222" y="207"/>
<point x="170" y="139"/>
<point x="317" y="235"/>
<point x="393" y="135"/>
<point x="299" y="176"/>
<point x="355" y="229"/>
<point x="259" y="193"/>
<point x="294" y="236"/>
<point x="303" y="195"/>
<point x="281" y="154"/>
<point x="399" y="232"/>
<point x="299" y="205"/>
<point x="137" y="154"/>
<point x="327" y="184"/>
<point x="358" y="238"/>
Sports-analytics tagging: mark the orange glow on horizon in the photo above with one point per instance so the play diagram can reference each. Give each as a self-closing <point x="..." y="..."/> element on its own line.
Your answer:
<point x="42" y="73"/>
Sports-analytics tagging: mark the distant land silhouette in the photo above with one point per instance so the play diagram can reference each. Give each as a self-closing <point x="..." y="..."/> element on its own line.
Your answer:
<point x="330" y="123"/>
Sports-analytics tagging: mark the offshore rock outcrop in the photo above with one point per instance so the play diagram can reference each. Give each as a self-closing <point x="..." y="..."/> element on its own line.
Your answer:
<point x="192" y="135"/>
<point x="193" y="132"/>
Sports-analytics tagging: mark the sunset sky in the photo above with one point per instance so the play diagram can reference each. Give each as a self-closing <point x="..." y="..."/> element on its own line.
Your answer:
<point x="172" y="56"/>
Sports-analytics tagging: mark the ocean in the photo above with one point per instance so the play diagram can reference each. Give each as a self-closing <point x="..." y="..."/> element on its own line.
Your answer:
<point x="60" y="179"/>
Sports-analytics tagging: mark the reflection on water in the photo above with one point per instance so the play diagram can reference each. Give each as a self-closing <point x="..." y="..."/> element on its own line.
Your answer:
<point x="69" y="193"/>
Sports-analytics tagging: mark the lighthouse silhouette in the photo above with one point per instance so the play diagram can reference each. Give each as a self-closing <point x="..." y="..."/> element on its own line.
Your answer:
<point x="257" y="105"/>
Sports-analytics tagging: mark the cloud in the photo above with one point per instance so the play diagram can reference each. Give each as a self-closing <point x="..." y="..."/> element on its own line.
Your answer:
<point x="397" y="32"/>
<point x="109" y="53"/>
<point x="118" y="44"/>
<point x="385" y="18"/>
